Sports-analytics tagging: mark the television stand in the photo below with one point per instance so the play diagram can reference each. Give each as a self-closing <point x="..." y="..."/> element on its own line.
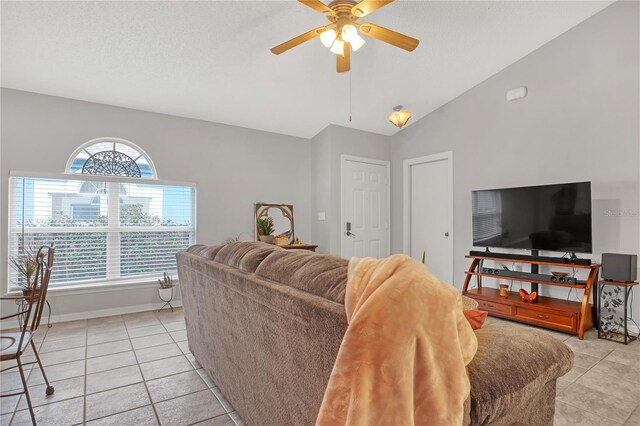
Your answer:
<point x="574" y="260"/>
<point x="534" y="270"/>
<point x="557" y="314"/>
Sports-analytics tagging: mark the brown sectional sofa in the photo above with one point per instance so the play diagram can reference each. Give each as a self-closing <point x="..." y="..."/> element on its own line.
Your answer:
<point x="266" y="325"/>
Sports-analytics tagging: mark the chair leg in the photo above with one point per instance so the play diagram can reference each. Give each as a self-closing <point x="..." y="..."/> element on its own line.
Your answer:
<point x="50" y="390"/>
<point x="26" y="391"/>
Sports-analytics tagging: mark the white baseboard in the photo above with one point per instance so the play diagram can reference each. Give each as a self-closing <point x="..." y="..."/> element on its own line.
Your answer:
<point x="56" y="318"/>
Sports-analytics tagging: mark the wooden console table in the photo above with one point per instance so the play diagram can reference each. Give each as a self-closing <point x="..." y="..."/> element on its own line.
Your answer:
<point x="558" y="314"/>
<point x="310" y="247"/>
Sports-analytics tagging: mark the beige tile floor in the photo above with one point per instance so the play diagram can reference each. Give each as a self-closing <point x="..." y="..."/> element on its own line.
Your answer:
<point x="602" y="388"/>
<point x="137" y="370"/>
<point x="123" y="370"/>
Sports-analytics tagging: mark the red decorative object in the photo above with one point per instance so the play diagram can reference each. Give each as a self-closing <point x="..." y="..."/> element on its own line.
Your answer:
<point x="526" y="297"/>
<point x="475" y="317"/>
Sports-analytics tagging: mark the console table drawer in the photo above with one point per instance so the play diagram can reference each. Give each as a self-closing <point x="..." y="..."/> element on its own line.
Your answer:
<point x="566" y="322"/>
<point x="494" y="307"/>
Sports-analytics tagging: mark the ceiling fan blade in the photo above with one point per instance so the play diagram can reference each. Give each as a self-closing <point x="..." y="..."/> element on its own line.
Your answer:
<point x="317" y="5"/>
<point x="383" y="34"/>
<point x="281" y="48"/>
<point x="365" y="7"/>
<point x="344" y="61"/>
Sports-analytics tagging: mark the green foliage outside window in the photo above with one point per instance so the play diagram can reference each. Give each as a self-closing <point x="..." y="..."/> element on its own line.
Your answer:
<point x="83" y="255"/>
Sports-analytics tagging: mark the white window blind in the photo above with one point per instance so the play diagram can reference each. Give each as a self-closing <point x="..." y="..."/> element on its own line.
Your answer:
<point x="104" y="229"/>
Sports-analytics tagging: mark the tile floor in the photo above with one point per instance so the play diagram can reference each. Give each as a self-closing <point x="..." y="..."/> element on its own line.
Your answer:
<point x="131" y="369"/>
<point x="137" y="370"/>
<point x="602" y="388"/>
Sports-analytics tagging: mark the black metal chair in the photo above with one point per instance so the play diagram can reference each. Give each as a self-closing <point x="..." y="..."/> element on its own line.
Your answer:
<point x="13" y="345"/>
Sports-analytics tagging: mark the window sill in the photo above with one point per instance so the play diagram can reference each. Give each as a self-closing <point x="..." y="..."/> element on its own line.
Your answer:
<point x="102" y="287"/>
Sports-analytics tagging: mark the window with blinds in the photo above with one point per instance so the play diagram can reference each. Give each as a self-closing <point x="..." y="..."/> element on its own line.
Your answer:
<point x="104" y="228"/>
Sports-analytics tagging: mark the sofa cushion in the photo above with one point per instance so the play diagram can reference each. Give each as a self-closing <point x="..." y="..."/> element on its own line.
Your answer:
<point x="245" y="255"/>
<point x="512" y="364"/>
<point x="208" y="252"/>
<point x="320" y="274"/>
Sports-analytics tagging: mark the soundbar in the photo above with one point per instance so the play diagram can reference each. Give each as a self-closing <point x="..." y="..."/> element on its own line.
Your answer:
<point x="505" y="273"/>
<point x="549" y="259"/>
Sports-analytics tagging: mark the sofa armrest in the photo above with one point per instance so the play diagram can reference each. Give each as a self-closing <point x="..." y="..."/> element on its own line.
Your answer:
<point x="512" y="365"/>
<point x="468" y="303"/>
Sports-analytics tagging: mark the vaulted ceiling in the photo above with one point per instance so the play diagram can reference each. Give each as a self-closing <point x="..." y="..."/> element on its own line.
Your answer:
<point x="211" y="60"/>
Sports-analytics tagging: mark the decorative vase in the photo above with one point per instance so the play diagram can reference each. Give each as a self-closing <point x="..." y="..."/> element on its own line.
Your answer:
<point x="166" y="295"/>
<point x="269" y="239"/>
<point x="504" y="290"/>
<point x="27" y="292"/>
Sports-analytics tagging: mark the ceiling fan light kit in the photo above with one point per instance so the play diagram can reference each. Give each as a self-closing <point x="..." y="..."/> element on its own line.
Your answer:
<point x="350" y="34"/>
<point x="337" y="47"/>
<point x="328" y="37"/>
<point x="341" y="35"/>
<point x="399" y="117"/>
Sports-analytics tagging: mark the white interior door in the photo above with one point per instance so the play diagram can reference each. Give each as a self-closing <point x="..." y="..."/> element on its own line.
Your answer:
<point x="429" y="212"/>
<point x="365" y="208"/>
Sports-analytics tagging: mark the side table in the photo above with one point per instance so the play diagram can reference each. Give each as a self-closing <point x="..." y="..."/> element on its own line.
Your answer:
<point x="310" y="247"/>
<point x="613" y="298"/>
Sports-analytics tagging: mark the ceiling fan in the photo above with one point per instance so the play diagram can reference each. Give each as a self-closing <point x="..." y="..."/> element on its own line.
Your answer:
<point x="341" y="34"/>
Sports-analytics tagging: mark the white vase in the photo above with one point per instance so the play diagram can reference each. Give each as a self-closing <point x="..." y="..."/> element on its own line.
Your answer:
<point x="165" y="294"/>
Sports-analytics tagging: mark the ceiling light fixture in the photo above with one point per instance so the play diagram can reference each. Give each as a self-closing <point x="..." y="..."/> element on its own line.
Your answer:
<point x="342" y="34"/>
<point x="399" y="117"/>
<point x="350" y="35"/>
<point x="328" y="37"/>
<point x="337" y="47"/>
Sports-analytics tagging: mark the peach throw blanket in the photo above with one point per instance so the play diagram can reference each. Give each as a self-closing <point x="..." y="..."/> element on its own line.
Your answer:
<point x="402" y="360"/>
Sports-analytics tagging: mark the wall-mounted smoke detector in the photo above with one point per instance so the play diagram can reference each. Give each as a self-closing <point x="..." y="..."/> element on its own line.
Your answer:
<point x="517" y="93"/>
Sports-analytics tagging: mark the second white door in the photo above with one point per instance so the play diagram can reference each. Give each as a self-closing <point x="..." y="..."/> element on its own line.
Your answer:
<point x="428" y="212"/>
<point x="365" y="208"/>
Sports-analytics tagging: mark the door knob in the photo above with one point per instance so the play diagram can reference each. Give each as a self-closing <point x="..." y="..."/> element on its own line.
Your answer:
<point x="446" y="234"/>
<point x="349" y="233"/>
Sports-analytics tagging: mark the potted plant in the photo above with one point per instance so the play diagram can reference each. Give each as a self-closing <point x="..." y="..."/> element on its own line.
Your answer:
<point x="26" y="266"/>
<point x="265" y="230"/>
<point x="165" y="292"/>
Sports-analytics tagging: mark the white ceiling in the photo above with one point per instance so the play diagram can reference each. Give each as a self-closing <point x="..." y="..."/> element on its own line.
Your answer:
<point x="211" y="60"/>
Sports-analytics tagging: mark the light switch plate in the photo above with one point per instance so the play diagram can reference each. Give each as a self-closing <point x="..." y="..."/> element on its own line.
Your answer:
<point x="322" y="216"/>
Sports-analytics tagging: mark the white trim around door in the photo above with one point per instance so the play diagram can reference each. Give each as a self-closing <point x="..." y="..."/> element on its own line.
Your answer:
<point x="343" y="159"/>
<point x="406" y="202"/>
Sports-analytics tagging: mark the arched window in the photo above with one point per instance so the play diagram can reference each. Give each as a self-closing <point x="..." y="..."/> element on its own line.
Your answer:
<point x="109" y="216"/>
<point x="111" y="157"/>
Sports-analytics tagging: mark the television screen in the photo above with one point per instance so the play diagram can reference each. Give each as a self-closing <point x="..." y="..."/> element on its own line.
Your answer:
<point x="546" y="217"/>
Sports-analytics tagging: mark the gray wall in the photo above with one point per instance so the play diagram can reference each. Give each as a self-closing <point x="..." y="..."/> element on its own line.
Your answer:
<point x="327" y="148"/>
<point x="321" y="190"/>
<point x="232" y="167"/>
<point x="580" y="122"/>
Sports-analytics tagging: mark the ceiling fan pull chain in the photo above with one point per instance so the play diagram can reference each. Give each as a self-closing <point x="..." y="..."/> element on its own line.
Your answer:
<point x="349" y="97"/>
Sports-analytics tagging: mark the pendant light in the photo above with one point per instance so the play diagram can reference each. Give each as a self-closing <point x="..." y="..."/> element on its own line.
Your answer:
<point x="399" y="117"/>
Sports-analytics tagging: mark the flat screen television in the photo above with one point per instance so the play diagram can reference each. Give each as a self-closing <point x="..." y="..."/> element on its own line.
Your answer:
<point x="546" y="217"/>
